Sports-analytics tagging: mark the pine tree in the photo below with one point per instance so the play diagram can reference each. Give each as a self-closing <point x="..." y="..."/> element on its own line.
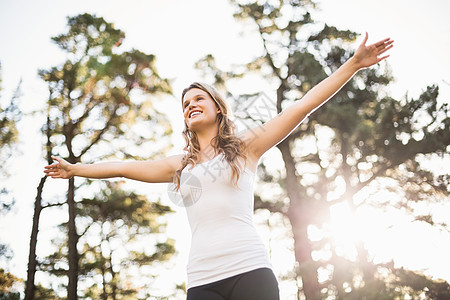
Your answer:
<point x="100" y="105"/>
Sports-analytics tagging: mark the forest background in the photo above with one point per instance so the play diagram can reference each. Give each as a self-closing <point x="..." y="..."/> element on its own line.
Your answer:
<point x="180" y="34"/>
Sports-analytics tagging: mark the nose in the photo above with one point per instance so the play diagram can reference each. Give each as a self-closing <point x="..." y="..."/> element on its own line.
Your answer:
<point x="192" y="105"/>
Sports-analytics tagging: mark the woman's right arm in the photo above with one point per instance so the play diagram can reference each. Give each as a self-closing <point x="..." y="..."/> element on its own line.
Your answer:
<point x="155" y="171"/>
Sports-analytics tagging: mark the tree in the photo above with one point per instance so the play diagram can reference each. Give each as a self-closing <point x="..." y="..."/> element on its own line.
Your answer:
<point x="363" y="139"/>
<point x="98" y="105"/>
<point x="114" y="225"/>
<point x="10" y="115"/>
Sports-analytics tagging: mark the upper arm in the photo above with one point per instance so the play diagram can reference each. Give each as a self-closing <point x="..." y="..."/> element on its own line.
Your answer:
<point x="262" y="138"/>
<point x="162" y="170"/>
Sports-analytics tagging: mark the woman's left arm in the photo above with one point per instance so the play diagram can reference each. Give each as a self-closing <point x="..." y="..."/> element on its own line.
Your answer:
<point x="264" y="137"/>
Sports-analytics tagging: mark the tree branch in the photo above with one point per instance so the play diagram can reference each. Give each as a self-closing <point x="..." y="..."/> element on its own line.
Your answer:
<point x="53" y="204"/>
<point x="100" y="134"/>
<point x="268" y="56"/>
<point x="278" y="206"/>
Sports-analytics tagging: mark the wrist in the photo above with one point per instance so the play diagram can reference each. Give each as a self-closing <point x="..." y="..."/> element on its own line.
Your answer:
<point x="354" y="64"/>
<point x="72" y="170"/>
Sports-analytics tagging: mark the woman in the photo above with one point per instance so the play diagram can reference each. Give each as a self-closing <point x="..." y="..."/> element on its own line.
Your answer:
<point x="227" y="258"/>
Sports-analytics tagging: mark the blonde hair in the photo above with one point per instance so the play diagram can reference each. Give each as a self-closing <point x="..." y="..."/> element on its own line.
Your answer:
<point x="226" y="142"/>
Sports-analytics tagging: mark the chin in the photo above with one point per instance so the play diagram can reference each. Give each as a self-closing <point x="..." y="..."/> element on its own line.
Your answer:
<point x="193" y="126"/>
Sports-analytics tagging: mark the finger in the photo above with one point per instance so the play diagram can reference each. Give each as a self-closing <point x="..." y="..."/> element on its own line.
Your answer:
<point x="58" y="159"/>
<point x="48" y="171"/>
<point x="386" y="44"/>
<point x="365" y="39"/>
<point x="382" y="58"/>
<point x="382" y="42"/>
<point x="49" y="174"/>
<point x="51" y="167"/>
<point x="55" y="175"/>
<point x="385" y="49"/>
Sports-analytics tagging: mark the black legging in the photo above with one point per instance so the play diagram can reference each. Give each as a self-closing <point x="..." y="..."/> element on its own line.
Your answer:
<point x="259" y="284"/>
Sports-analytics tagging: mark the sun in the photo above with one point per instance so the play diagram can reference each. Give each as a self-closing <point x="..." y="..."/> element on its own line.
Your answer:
<point x="345" y="229"/>
<point x="365" y="226"/>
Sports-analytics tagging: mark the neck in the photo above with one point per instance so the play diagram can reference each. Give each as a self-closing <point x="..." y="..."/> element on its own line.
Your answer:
<point x="204" y="139"/>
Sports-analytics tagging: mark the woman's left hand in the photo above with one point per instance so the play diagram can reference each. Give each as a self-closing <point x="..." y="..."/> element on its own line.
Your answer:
<point x="366" y="56"/>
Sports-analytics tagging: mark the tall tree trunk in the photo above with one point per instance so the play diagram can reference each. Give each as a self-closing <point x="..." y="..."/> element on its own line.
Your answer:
<point x="302" y="248"/>
<point x="32" y="262"/>
<point x="299" y="213"/>
<point x="73" y="241"/>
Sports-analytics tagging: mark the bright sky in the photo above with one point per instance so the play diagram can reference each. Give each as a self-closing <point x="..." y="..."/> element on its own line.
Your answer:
<point x="179" y="33"/>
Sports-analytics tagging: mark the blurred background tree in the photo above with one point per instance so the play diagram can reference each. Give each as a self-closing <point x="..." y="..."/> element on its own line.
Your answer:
<point x="10" y="115"/>
<point x="121" y="235"/>
<point x="9" y="284"/>
<point x="100" y="106"/>
<point x="360" y="143"/>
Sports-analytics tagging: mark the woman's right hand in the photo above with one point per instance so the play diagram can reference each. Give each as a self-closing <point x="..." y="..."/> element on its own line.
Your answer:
<point x="60" y="169"/>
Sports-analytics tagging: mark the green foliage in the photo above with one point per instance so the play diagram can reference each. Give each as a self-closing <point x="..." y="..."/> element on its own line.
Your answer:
<point x="42" y="293"/>
<point x="416" y="285"/>
<point x="87" y="34"/>
<point x="5" y="254"/>
<point x="113" y="204"/>
<point x="8" y="286"/>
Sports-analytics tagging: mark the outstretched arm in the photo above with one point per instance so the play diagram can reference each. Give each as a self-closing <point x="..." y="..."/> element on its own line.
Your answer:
<point x="262" y="138"/>
<point x="148" y="171"/>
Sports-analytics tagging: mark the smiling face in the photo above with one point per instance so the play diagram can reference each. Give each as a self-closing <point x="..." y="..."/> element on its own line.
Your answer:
<point x="199" y="109"/>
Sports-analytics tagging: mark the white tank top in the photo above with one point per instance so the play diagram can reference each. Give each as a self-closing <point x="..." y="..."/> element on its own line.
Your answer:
<point x="224" y="240"/>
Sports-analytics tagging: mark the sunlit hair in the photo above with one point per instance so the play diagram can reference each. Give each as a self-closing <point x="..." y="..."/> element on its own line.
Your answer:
<point x="226" y="142"/>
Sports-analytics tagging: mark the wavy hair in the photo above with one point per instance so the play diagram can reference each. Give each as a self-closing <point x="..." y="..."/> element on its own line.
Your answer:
<point x="226" y="142"/>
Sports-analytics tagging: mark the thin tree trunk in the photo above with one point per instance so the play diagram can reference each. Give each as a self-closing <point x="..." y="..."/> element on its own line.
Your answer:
<point x="102" y="268"/>
<point x="32" y="261"/>
<point x="73" y="241"/>
<point x="113" y="274"/>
